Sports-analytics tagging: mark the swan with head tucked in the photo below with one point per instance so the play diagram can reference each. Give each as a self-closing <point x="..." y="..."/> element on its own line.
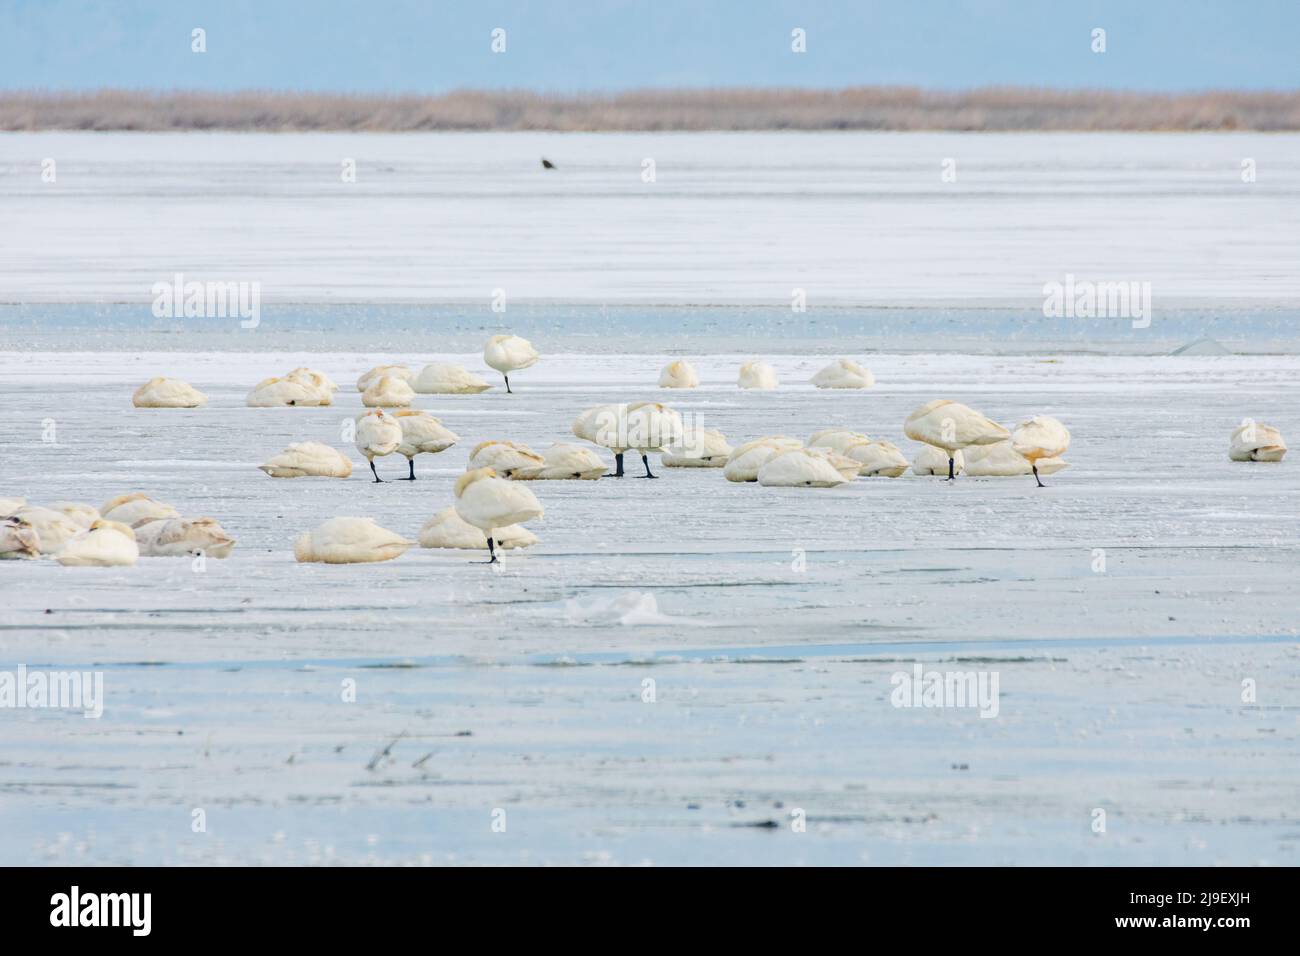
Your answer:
<point x="800" y="468"/>
<point x="1040" y="437"/>
<point x="379" y="371"/>
<point x="745" y="460"/>
<point x="168" y="393"/>
<point x="488" y="503"/>
<point x="1000" y="460"/>
<point x="136" y="509"/>
<point x="698" y="448"/>
<point x="951" y="426"/>
<point x="844" y="373"/>
<point x="283" y="392"/>
<point x="18" y="539"/>
<point x="757" y="375"/>
<point x="308" y="459"/>
<point x="566" y="461"/>
<point x="1252" y="441"/>
<point x="877" y="459"/>
<point x="422" y="434"/>
<point x="79" y="512"/>
<point x="177" y="537"/>
<point x="507" y="459"/>
<point x="509" y="353"/>
<point x="318" y="382"/>
<point x="837" y="439"/>
<point x="388" y="391"/>
<point x="104" y="544"/>
<point x="440" y="378"/>
<point x="378" y="434"/>
<point x="349" y="540"/>
<point x="679" y="374"/>
<point x="447" y="529"/>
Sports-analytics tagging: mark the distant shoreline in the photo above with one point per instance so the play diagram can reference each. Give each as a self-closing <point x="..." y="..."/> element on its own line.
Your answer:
<point x="891" y="109"/>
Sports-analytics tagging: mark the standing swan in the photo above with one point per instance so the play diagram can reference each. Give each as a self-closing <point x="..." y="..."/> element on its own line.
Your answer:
<point x="488" y="502"/>
<point x="422" y="434"/>
<point x="952" y="427"/>
<point x="1040" y="437"/>
<point x="509" y="353"/>
<point x="378" y="434"/>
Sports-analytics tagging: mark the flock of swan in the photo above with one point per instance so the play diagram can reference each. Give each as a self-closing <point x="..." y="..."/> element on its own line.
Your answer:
<point x="492" y="501"/>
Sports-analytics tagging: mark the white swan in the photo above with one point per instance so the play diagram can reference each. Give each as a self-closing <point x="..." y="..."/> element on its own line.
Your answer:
<point x="378" y="434"/>
<point x="640" y="426"/>
<point x="800" y="468"/>
<point x="878" y="459"/>
<point x="838" y="439"/>
<point x="318" y="382"/>
<point x="745" y="460"/>
<point x="349" y="541"/>
<point x="83" y="514"/>
<point x="844" y="373"/>
<point x="176" y="537"/>
<point x="104" y="544"/>
<point x="509" y="353"/>
<point x="282" y="392"/>
<point x="18" y="539"/>
<point x="564" y="460"/>
<point x="758" y="375"/>
<point x="308" y="459"/>
<point x="1040" y="437"/>
<point x="136" y="509"/>
<point x="167" y="393"/>
<point x="952" y="427"/>
<point x="379" y="371"/>
<point x="447" y="529"/>
<point x="388" y="391"/>
<point x="488" y="502"/>
<point x="53" y="528"/>
<point x="440" y="378"/>
<point x="1000" y="460"/>
<point x="422" y="434"/>
<point x="936" y="461"/>
<point x="679" y="374"/>
<point x="507" y="459"/>
<point x="1252" y="441"/>
<point x="698" y="448"/>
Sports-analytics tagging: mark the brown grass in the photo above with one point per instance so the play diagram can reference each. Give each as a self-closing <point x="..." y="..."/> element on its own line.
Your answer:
<point x="863" y="108"/>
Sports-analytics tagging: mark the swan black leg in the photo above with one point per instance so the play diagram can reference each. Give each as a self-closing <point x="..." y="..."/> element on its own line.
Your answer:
<point x="952" y="472"/>
<point x="375" y="473"/>
<point x="411" y="477"/>
<point x="507" y="378"/>
<point x="1037" y="479"/>
<point x="618" y="466"/>
<point x="646" y="461"/>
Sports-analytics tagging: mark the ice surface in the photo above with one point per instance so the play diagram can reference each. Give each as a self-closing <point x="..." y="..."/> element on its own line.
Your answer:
<point x="856" y="218"/>
<point x="522" y="688"/>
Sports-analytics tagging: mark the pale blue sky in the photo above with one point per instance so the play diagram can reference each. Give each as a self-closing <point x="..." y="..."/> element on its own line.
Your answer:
<point x="569" y="45"/>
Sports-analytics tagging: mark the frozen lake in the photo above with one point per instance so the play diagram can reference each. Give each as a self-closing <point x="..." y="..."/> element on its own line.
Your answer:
<point x="521" y="689"/>
<point x="851" y="218"/>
